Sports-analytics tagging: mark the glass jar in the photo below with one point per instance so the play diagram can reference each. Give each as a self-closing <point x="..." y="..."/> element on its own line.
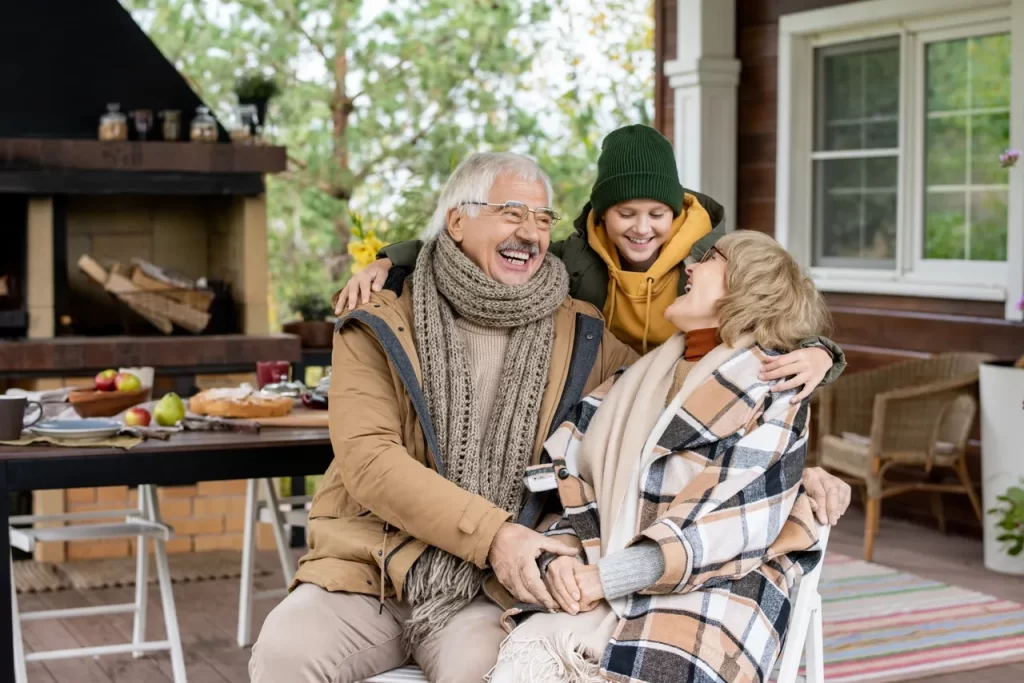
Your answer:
<point x="143" y="120"/>
<point x="241" y="136"/>
<point x="248" y="115"/>
<point x="171" y="126"/>
<point x="113" y="124"/>
<point x="204" y="126"/>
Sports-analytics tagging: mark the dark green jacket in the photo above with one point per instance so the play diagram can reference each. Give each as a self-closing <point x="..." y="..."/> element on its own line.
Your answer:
<point x="588" y="274"/>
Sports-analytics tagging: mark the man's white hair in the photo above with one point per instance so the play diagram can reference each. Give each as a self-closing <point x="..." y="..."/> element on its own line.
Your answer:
<point x="472" y="180"/>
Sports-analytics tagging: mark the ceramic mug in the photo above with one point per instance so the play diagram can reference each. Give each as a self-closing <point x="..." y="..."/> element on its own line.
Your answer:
<point x="12" y="416"/>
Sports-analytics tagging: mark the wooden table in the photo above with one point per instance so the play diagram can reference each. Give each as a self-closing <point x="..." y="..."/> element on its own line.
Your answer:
<point x="185" y="459"/>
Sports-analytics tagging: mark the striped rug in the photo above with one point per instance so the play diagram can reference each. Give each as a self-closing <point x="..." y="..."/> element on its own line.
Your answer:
<point x="884" y="625"/>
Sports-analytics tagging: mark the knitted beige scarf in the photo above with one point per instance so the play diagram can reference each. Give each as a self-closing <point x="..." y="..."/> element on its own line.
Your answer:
<point x="490" y="459"/>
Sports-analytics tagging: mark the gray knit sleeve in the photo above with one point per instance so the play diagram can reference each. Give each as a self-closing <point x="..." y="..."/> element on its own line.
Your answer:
<point x="631" y="570"/>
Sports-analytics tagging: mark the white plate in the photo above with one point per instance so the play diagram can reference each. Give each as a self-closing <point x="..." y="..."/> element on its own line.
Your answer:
<point x="90" y="428"/>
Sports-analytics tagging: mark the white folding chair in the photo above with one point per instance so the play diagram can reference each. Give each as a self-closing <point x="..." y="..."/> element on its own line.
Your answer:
<point x="804" y="636"/>
<point x="267" y="509"/>
<point x="143" y="523"/>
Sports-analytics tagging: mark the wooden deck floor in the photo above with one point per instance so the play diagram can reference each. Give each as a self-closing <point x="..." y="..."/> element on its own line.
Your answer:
<point x="207" y="613"/>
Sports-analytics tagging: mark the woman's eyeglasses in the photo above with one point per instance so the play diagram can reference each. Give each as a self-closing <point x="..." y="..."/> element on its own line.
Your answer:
<point x="710" y="254"/>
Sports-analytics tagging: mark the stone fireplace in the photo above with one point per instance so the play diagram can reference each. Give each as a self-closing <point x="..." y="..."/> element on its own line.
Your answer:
<point x="195" y="208"/>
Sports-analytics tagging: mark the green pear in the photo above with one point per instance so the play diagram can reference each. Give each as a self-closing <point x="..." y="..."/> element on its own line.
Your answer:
<point x="169" y="410"/>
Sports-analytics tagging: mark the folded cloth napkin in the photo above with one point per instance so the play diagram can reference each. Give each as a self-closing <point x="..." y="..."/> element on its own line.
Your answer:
<point x="123" y="442"/>
<point x="48" y="396"/>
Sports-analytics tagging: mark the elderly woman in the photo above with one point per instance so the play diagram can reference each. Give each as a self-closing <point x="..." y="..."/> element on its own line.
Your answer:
<point x="680" y="481"/>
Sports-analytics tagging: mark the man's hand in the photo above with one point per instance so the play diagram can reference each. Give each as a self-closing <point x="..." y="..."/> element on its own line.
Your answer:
<point x="830" y="496"/>
<point x="513" y="557"/>
<point x="803" y="367"/>
<point x="358" y="289"/>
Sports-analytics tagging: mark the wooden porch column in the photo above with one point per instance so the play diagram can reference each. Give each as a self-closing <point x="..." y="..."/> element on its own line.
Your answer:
<point x="704" y="77"/>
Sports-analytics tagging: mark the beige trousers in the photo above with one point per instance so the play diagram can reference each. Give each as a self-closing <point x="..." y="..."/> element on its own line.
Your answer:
<point x="315" y="636"/>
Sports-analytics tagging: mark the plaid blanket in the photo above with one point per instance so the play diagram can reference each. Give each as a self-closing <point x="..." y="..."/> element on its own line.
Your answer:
<point x="719" y="491"/>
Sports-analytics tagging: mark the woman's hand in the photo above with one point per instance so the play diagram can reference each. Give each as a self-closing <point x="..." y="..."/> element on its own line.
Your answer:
<point x="803" y="367"/>
<point x="561" y="582"/>
<point x="358" y="289"/>
<point x="588" y="580"/>
<point x="575" y="586"/>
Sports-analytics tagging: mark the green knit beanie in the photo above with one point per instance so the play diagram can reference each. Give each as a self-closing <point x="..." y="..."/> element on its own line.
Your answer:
<point x="636" y="162"/>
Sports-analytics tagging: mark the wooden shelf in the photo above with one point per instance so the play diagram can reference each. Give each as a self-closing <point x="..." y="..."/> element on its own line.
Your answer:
<point x="30" y="154"/>
<point x="86" y="355"/>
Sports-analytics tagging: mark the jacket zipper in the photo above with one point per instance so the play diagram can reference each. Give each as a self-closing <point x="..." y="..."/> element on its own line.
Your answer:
<point x="383" y="549"/>
<point x="384" y="579"/>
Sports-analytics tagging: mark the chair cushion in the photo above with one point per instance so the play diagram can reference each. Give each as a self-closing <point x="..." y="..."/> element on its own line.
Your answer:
<point x="941" y="447"/>
<point x="848" y="454"/>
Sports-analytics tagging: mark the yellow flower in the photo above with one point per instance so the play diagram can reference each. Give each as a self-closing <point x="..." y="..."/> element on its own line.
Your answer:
<point x="364" y="251"/>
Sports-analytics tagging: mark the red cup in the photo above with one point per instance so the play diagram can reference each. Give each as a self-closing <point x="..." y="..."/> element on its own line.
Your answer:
<point x="272" y="372"/>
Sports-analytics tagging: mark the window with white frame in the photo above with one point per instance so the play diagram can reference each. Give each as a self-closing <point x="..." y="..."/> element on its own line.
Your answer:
<point x="856" y="154"/>
<point x="890" y="180"/>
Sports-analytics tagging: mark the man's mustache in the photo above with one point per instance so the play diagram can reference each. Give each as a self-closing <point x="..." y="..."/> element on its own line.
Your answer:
<point x="514" y="244"/>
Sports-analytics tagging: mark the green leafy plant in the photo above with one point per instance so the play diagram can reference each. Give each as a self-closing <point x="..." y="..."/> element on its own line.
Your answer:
<point x="1011" y="520"/>
<point x="312" y="306"/>
<point x="256" y="86"/>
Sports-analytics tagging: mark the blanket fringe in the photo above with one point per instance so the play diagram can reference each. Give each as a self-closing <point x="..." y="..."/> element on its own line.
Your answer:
<point x="545" y="660"/>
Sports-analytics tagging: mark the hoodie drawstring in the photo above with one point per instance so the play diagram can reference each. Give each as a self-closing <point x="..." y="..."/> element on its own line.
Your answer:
<point x="647" y="312"/>
<point x="383" y="557"/>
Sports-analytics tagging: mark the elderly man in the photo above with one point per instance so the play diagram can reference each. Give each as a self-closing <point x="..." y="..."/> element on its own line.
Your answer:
<point x="443" y="392"/>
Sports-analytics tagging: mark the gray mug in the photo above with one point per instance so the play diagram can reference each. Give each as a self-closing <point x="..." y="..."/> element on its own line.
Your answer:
<point x="12" y="416"/>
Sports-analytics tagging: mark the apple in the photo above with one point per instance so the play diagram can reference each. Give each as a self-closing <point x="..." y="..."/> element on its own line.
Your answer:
<point x="126" y="381"/>
<point x="137" y="417"/>
<point x="105" y="380"/>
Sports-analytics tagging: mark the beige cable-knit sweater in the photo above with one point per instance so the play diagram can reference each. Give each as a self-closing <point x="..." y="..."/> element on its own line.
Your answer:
<point x="486" y="348"/>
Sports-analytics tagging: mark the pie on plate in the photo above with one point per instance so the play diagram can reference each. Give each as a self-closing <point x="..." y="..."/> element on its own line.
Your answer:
<point x="242" y="402"/>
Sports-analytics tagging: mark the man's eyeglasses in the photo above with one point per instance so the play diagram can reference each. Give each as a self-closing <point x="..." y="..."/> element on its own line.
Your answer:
<point x="710" y="254"/>
<point x="517" y="212"/>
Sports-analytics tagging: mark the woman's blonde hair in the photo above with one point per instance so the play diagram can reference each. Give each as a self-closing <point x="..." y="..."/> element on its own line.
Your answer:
<point x="767" y="294"/>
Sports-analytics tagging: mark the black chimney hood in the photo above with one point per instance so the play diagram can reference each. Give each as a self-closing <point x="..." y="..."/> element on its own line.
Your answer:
<point x="61" y="63"/>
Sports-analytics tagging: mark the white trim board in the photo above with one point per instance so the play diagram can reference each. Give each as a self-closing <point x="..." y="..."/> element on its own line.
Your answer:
<point x="851" y="16"/>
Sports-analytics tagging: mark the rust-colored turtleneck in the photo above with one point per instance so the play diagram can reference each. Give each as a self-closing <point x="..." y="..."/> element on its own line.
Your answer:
<point x="698" y="344"/>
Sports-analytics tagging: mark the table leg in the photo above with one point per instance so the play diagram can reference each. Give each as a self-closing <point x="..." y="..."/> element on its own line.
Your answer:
<point x="298" y="484"/>
<point x="298" y="488"/>
<point x="6" y="635"/>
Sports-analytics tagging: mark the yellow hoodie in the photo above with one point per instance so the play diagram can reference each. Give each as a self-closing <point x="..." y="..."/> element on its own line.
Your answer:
<point x="634" y="310"/>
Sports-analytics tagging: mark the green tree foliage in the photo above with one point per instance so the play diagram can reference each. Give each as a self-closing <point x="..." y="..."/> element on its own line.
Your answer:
<point x="379" y="101"/>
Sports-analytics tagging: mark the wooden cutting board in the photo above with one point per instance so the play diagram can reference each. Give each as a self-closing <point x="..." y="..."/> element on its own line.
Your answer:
<point x="299" y="417"/>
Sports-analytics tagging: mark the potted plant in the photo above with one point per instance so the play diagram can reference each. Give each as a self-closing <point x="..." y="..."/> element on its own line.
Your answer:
<point x="1001" y="388"/>
<point x="313" y="330"/>
<point x="257" y="89"/>
<point x="1010" y="514"/>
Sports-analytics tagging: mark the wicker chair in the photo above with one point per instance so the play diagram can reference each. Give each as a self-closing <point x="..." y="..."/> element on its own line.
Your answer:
<point x="915" y="413"/>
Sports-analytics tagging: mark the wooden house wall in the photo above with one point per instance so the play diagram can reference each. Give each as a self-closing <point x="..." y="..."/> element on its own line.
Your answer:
<point x="873" y="330"/>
